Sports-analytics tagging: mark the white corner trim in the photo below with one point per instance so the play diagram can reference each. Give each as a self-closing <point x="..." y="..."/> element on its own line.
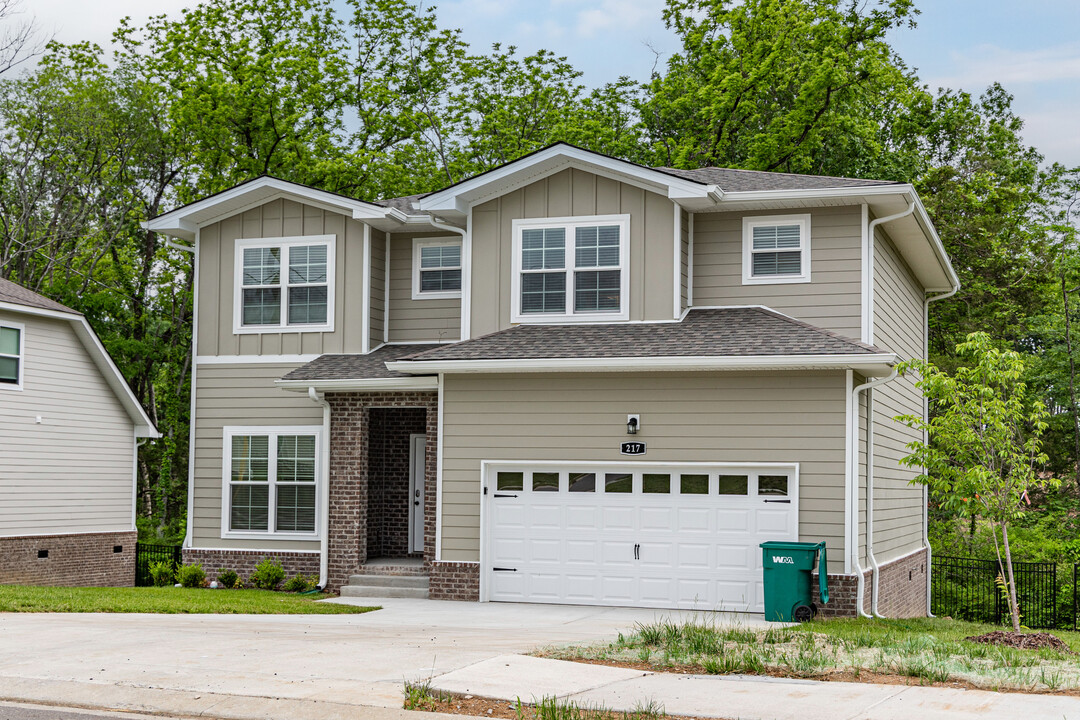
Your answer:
<point x="365" y="299"/>
<point x="867" y="362"/>
<point x="676" y="309"/>
<point x="418" y="244"/>
<point x="286" y="243"/>
<point x="748" y="225"/>
<point x="466" y="278"/>
<point x="386" y="291"/>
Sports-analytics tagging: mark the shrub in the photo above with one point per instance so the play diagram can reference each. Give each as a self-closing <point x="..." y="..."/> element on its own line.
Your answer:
<point x="191" y="576"/>
<point x="162" y="573"/>
<point x="301" y="583"/>
<point x="268" y="574"/>
<point x="228" y="579"/>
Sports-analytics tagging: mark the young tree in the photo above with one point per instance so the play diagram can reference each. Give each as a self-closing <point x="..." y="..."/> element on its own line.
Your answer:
<point x="983" y="441"/>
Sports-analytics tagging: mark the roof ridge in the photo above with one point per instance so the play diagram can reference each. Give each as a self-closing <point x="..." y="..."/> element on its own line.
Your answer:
<point x="776" y="172"/>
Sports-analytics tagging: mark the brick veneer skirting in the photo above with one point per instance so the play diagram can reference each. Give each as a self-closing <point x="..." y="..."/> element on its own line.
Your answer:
<point x="244" y="561"/>
<point x="454" y="581"/>
<point x="901" y="590"/>
<point x="86" y="559"/>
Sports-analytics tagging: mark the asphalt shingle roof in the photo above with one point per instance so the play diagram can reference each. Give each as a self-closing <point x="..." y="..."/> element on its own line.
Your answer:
<point x="734" y="332"/>
<point x="18" y="295"/>
<point x="731" y="180"/>
<point x="406" y="204"/>
<point x="355" y="367"/>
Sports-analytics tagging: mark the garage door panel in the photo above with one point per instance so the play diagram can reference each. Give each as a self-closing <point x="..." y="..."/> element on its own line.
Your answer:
<point x="664" y="550"/>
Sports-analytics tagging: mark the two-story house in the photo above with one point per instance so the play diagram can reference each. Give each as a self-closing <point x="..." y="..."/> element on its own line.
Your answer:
<point x="571" y="379"/>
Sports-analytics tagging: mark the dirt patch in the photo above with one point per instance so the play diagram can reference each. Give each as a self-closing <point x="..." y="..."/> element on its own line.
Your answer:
<point x="1024" y="641"/>
<point x="474" y="706"/>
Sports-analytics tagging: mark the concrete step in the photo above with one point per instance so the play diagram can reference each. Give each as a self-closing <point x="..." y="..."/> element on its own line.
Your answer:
<point x="374" y="591"/>
<point x="395" y="581"/>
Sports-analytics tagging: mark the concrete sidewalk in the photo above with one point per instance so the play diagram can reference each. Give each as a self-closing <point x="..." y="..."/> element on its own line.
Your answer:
<point x="744" y="697"/>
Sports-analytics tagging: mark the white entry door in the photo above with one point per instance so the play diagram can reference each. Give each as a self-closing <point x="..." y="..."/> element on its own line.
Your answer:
<point x="417" y="462"/>
<point x="636" y="536"/>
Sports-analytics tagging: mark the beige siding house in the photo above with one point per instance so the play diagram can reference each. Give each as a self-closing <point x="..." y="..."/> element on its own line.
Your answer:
<point x="70" y="428"/>
<point x="571" y="379"/>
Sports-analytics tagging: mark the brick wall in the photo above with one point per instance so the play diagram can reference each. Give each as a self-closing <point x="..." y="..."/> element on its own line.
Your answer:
<point x="454" y="581"/>
<point x="88" y="559"/>
<point x="351" y="479"/>
<point x="901" y="590"/>
<point x="389" y="431"/>
<point x="244" y="561"/>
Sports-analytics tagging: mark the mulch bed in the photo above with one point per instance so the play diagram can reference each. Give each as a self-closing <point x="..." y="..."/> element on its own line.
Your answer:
<point x="1024" y="641"/>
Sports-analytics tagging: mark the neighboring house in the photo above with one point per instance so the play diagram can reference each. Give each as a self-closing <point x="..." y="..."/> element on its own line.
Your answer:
<point x="442" y="385"/>
<point x="69" y="433"/>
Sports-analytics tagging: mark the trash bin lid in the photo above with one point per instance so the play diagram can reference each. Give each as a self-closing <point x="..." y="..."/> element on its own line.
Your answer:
<point x="784" y="545"/>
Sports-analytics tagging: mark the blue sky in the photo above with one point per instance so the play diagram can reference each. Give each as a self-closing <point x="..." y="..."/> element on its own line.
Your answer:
<point x="1032" y="48"/>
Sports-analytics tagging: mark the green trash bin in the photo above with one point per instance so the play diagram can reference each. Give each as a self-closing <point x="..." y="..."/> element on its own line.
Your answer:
<point x="788" y="567"/>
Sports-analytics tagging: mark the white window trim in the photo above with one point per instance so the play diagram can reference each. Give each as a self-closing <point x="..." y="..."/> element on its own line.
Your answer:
<point x="226" y="481"/>
<point x="420" y="243"/>
<point x="748" y="225"/>
<point x="571" y="223"/>
<point x="283" y="242"/>
<point x="17" y="386"/>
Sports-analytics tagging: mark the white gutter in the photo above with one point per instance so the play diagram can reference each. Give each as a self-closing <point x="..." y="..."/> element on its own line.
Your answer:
<point x="420" y="382"/>
<point x="926" y="438"/>
<point x="875" y="363"/>
<point x="324" y="499"/>
<point x="868" y="323"/>
<point x="875" y="569"/>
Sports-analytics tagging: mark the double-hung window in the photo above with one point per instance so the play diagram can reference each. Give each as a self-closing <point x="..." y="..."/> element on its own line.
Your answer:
<point x="776" y="249"/>
<point x="571" y="269"/>
<point x="271" y="477"/>
<point x="436" y="268"/>
<point x="11" y="356"/>
<point x="285" y="283"/>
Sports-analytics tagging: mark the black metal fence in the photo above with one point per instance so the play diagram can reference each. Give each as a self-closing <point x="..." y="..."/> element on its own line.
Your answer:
<point x="146" y="554"/>
<point x="970" y="589"/>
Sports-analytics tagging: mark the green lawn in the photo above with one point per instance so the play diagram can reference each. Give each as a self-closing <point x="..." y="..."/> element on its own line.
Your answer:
<point x="21" y="598"/>
<point x="925" y="650"/>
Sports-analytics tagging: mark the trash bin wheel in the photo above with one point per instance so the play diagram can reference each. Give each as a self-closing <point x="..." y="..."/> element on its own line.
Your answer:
<point x="803" y="613"/>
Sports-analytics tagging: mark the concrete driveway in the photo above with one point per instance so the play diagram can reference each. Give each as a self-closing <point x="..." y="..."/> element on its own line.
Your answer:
<point x="346" y="659"/>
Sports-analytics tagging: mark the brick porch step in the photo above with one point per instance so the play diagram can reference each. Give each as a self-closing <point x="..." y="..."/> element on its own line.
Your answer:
<point x="388" y="586"/>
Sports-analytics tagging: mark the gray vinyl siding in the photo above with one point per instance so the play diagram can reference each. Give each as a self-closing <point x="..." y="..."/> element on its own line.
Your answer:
<point x="898" y="327"/>
<point x="686" y="417"/>
<point x="684" y="254"/>
<point x="434" y="320"/>
<point x="240" y="394"/>
<point x="217" y="281"/>
<point x="573" y="193"/>
<point x="377" y="291"/>
<point x="833" y="298"/>
<point x="73" y="471"/>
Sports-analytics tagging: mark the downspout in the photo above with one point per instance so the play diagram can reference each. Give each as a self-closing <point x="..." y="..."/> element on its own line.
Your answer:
<point x="466" y="268"/>
<point x="324" y="542"/>
<point x="926" y="439"/>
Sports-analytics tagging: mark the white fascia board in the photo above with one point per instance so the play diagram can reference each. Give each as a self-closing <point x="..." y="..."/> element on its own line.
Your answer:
<point x="358" y="384"/>
<point x="451" y="199"/>
<point x="867" y="362"/>
<point x="144" y="427"/>
<point x="182" y="222"/>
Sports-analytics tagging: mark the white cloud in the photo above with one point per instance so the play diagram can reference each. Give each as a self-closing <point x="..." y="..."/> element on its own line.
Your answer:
<point x="71" y="21"/>
<point x="983" y="64"/>
<point x="1054" y="133"/>
<point x="613" y="15"/>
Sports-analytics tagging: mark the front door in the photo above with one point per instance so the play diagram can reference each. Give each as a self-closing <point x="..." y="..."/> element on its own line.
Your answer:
<point x="417" y="457"/>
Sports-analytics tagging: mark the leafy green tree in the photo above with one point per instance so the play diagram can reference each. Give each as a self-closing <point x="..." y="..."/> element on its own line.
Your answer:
<point x="984" y="441"/>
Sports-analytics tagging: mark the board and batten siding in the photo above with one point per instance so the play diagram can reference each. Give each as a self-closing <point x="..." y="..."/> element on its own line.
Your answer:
<point x="899" y="328"/>
<point x="686" y="417"/>
<point x="377" y="291"/>
<point x="572" y="193"/>
<point x="218" y="276"/>
<point x="239" y="394"/>
<point x="684" y="254"/>
<point x="833" y="298"/>
<point x="418" y="321"/>
<point x="73" y="471"/>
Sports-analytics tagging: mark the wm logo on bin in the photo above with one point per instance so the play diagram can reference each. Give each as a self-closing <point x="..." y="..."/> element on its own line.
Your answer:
<point x="783" y="560"/>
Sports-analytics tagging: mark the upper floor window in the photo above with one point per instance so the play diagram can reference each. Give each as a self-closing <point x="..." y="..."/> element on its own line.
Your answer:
<point x="571" y="269"/>
<point x="285" y="283"/>
<point x="436" y="268"/>
<point x="11" y="355"/>
<point x="776" y="249"/>
<point x="271" y="478"/>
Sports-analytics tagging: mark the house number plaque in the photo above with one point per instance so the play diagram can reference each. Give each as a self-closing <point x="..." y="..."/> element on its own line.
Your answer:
<point x="632" y="448"/>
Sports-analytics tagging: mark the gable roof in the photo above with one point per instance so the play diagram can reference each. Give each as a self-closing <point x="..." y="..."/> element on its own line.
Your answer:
<point x="705" y="339"/>
<point x="733" y="180"/>
<point x="16" y="298"/>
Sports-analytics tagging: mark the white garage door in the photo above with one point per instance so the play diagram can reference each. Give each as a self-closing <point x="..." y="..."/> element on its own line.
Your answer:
<point x="636" y="536"/>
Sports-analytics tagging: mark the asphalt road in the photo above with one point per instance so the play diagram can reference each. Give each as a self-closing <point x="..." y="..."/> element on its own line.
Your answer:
<point x="14" y="711"/>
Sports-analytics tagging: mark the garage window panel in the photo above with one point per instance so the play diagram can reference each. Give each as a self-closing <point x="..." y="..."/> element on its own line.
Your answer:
<point x="582" y="482"/>
<point x="545" y="482"/>
<point x="734" y="485"/>
<point x="694" y="484"/>
<point x="618" y="483"/>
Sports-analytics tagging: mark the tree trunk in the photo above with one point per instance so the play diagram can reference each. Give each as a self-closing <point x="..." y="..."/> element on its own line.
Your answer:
<point x="1014" y="607"/>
